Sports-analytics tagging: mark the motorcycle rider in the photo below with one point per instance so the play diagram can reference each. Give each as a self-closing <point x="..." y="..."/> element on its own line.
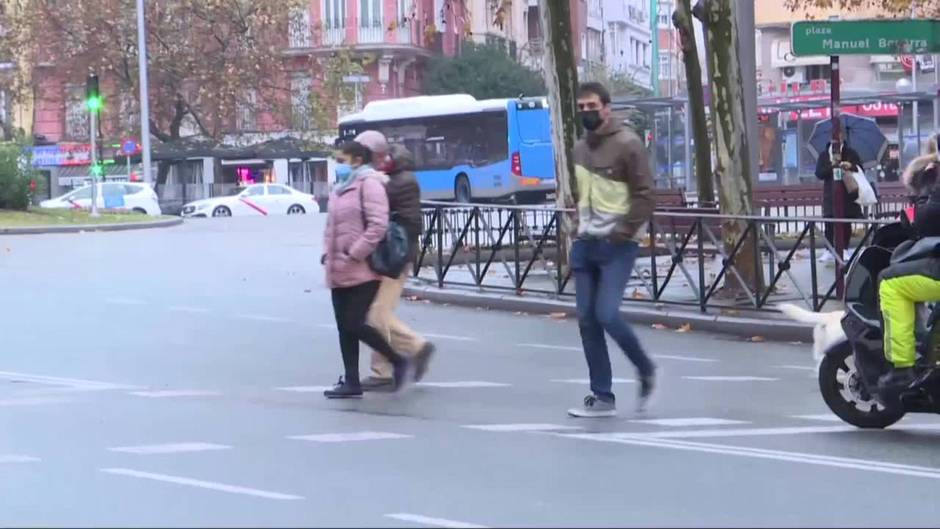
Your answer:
<point x="914" y="274"/>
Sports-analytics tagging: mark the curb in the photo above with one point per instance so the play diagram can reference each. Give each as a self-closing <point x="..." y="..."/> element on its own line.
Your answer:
<point x="770" y="329"/>
<point x="39" y="230"/>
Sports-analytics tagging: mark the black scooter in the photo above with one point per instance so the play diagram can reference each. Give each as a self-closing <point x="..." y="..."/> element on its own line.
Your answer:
<point x="849" y="372"/>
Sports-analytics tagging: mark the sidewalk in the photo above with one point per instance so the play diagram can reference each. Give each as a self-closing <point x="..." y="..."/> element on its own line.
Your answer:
<point x="677" y="305"/>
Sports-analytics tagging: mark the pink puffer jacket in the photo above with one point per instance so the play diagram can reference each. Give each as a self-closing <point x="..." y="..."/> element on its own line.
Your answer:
<point x="347" y="243"/>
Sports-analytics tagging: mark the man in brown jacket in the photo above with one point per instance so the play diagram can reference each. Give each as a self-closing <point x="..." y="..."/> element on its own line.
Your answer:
<point x="614" y="200"/>
<point x="404" y="204"/>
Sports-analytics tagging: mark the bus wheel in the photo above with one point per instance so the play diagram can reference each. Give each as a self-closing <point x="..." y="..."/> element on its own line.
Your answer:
<point x="462" y="192"/>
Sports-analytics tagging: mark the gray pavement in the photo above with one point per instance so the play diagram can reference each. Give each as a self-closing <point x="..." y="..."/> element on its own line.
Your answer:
<point x="170" y="378"/>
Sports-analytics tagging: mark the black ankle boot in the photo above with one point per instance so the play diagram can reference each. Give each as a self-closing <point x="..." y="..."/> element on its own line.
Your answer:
<point x="344" y="390"/>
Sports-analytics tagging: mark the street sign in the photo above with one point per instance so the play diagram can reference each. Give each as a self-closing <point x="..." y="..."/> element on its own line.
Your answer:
<point x="129" y="147"/>
<point x="865" y="37"/>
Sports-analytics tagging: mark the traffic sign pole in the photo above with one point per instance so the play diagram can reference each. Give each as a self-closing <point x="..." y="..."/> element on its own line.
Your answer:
<point x="838" y="184"/>
<point x="94" y="164"/>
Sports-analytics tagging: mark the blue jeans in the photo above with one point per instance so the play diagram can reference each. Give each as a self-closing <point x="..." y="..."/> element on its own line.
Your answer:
<point x="601" y="270"/>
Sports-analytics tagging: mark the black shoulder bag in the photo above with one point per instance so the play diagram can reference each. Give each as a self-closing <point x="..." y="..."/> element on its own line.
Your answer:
<point x="391" y="255"/>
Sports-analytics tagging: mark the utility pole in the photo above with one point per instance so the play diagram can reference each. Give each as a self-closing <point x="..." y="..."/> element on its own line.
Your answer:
<point x="144" y="92"/>
<point x="93" y="102"/>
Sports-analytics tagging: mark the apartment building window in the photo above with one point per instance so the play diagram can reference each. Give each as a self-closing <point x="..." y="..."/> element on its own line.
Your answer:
<point x="76" y="115"/>
<point x="665" y="66"/>
<point x="245" y="110"/>
<point x="300" y="102"/>
<point x="334" y="14"/>
<point x="665" y="15"/>
<point x="534" y="24"/>
<point x="370" y="13"/>
<point x="299" y="28"/>
<point x="816" y="72"/>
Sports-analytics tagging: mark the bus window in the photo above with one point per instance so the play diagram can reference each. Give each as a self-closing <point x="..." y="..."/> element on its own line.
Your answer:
<point x="534" y="125"/>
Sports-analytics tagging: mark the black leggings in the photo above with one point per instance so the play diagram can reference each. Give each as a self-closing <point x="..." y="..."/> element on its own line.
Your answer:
<point x="351" y="307"/>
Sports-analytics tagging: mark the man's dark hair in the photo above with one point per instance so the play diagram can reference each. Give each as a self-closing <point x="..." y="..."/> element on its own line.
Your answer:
<point x="594" y="88"/>
<point x="354" y="149"/>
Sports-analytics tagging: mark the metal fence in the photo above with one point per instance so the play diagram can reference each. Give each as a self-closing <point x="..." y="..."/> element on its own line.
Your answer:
<point x="685" y="259"/>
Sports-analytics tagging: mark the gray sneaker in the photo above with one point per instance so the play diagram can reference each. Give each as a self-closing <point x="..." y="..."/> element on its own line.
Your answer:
<point x="594" y="407"/>
<point x="645" y="395"/>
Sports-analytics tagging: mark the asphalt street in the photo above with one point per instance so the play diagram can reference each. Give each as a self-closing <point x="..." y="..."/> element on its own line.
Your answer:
<point x="173" y="377"/>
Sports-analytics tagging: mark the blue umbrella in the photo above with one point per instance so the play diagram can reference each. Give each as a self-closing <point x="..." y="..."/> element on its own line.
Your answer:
<point x="861" y="134"/>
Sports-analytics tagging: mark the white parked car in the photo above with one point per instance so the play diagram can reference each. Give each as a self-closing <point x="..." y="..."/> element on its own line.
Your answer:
<point x="257" y="199"/>
<point x="125" y="196"/>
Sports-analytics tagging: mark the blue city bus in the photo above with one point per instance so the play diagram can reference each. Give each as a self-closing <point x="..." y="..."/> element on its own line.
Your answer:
<point x="465" y="149"/>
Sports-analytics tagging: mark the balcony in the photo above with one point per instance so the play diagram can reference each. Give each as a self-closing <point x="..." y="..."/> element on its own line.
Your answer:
<point x="334" y="36"/>
<point x="373" y="33"/>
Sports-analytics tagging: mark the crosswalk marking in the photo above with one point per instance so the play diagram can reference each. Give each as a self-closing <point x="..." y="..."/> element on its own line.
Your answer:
<point x="449" y="337"/>
<point x="434" y="522"/>
<point x="10" y="458"/>
<point x="690" y="421"/>
<point x="520" y="427"/>
<point x="732" y="379"/>
<point x="76" y="383"/>
<point x="221" y="487"/>
<point x="686" y="358"/>
<point x="587" y="381"/>
<point x="349" y="437"/>
<point x="463" y="384"/>
<point x="170" y="393"/>
<point x="169" y="448"/>
<point x="305" y="389"/>
<point x="828" y="417"/>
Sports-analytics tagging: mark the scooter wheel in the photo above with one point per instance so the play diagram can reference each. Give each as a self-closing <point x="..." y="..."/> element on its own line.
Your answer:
<point x="844" y="392"/>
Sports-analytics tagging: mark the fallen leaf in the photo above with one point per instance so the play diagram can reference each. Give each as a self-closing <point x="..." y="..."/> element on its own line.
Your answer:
<point x="636" y="294"/>
<point x="558" y="315"/>
<point x="730" y="312"/>
<point x="686" y="327"/>
<point x="757" y="339"/>
<point x="659" y="326"/>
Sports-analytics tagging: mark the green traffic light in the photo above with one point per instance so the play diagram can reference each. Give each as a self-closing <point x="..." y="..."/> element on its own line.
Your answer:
<point x="95" y="104"/>
<point x="97" y="170"/>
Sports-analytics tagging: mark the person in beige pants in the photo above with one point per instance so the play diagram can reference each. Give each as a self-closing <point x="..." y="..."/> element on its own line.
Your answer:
<point x="404" y="197"/>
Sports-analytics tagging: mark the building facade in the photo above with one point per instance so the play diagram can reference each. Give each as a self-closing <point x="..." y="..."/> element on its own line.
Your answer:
<point x="393" y="40"/>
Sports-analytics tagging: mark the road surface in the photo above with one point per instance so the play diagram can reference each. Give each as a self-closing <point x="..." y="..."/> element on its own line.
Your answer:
<point x="173" y="378"/>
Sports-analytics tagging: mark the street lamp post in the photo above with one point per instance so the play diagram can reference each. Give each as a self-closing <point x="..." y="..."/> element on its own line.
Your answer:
<point x="144" y="92"/>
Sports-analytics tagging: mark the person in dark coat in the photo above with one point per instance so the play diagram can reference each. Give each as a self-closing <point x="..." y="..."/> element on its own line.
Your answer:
<point x="851" y="161"/>
<point x="404" y="200"/>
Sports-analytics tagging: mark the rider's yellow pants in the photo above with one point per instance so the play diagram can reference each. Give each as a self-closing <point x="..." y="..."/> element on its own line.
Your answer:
<point x="898" y="296"/>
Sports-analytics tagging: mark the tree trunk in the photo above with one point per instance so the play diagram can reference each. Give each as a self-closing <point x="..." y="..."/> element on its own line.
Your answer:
<point x="733" y="170"/>
<point x="682" y="20"/>
<point x="561" y="80"/>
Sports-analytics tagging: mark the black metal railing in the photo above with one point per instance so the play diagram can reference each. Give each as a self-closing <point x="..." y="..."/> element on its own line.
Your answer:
<point x="686" y="258"/>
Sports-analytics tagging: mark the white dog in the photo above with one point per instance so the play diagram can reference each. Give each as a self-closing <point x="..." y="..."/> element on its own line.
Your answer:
<point x="827" y="327"/>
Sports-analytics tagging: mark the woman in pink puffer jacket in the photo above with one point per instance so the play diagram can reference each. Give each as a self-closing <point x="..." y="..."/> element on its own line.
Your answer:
<point x="356" y="223"/>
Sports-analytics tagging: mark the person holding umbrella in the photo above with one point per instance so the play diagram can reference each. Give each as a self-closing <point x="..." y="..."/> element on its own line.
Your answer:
<point x="824" y="171"/>
<point x="864" y="146"/>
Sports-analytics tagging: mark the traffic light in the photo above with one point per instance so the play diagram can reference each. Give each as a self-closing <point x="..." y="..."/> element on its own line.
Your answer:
<point x="93" y="99"/>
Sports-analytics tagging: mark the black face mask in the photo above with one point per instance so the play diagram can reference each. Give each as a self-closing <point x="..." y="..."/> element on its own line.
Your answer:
<point x="591" y="119"/>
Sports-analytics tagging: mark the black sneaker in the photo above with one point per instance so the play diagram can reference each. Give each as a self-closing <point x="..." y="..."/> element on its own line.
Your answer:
<point x="647" y="385"/>
<point x="378" y="384"/>
<point x="422" y="359"/>
<point x="342" y="390"/>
